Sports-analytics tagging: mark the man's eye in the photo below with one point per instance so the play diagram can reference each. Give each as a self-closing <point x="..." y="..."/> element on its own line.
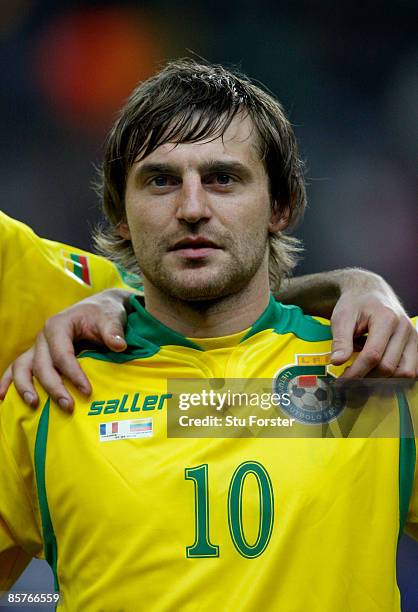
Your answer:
<point x="223" y="179"/>
<point x="160" y="181"/>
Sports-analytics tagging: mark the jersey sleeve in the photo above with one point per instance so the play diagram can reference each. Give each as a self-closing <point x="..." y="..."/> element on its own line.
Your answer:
<point x="411" y="526"/>
<point x="412" y="518"/>
<point x="20" y="536"/>
<point x="13" y="557"/>
<point x="38" y="278"/>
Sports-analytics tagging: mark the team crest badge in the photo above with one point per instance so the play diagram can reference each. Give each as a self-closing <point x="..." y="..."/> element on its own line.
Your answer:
<point x="313" y="396"/>
<point x="77" y="266"/>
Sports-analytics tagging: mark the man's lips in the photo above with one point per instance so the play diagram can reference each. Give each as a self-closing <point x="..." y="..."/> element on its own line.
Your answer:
<point x="194" y="247"/>
<point x="194" y="242"/>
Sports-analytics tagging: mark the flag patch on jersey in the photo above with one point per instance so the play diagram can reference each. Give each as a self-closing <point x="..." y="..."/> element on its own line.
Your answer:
<point x="126" y="429"/>
<point x="77" y="266"/>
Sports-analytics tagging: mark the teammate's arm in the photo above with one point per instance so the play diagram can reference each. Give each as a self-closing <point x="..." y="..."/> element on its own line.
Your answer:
<point x="99" y="319"/>
<point x="364" y="303"/>
<point x="357" y="302"/>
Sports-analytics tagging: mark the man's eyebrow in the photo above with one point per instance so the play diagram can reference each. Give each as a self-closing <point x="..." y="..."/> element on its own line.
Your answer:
<point x="209" y="167"/>
<point x="148" y="168"/>
<point x="229" y="167"/>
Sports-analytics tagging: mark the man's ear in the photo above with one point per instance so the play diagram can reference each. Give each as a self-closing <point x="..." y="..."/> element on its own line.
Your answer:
<point x="279" y="218"/>
<point x="122" y="229"/>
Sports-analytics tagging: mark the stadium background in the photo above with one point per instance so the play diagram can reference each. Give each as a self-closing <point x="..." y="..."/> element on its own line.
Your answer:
<point x="344" y="72"/>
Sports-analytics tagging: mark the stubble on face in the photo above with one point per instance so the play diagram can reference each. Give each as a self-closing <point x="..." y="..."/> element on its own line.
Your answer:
<point x="241" y="258"/>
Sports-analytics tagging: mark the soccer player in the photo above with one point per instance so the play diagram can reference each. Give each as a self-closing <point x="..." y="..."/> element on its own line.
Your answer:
<point x="201" y="176"/>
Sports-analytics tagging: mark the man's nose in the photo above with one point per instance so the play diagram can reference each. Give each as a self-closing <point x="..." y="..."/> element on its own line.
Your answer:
<point x="192" y="204"/>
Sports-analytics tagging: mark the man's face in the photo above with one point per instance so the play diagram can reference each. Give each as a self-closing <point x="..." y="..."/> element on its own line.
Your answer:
<point x="199" y="214"/>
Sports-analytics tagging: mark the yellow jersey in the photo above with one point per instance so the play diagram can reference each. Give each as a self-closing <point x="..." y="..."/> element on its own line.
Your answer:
<point x="133" y="515"/>
<point x="39" y="278"/>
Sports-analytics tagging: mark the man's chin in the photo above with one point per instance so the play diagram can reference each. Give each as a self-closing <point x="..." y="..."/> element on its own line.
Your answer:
<point x="198" y="286"/>
<point x="198" y="293"/>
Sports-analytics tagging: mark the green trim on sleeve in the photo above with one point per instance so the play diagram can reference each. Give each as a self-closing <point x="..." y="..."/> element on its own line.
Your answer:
<point x="407" y="454"/>
<point x="50" y="543"/>
<point x="289" y="320"/>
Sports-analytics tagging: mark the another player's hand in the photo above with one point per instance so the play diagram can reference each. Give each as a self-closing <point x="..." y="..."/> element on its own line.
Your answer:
<point x="368" y="305"/>
<point x="99" y="319"/>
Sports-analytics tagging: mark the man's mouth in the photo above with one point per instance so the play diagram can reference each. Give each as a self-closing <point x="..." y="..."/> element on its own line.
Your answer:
<point x="194" y="247"/>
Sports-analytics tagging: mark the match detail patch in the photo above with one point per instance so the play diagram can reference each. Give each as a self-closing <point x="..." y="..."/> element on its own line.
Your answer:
<point x="77" y="266"/>
<point x="126" y="429"/>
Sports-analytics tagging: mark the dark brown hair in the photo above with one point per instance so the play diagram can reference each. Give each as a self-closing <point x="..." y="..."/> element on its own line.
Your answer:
<point x="189" y="101"/>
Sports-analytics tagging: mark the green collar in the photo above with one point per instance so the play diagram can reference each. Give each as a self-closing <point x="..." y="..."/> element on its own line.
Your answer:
<point x="277" y="317"/>
<point x="145" y="335"/>
<point x="144" y="326"/>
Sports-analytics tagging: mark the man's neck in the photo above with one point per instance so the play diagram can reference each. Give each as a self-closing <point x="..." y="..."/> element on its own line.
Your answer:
<point x="209" y="319"/>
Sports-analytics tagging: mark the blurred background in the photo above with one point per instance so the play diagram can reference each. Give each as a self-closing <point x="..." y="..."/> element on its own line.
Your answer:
<point x="345" y="72"/>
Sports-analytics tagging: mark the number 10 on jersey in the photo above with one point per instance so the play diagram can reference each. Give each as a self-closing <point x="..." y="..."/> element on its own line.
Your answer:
<point x="202" y="546"/>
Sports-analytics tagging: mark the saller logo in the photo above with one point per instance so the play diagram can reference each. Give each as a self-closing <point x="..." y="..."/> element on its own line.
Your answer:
<point x="129" y="403"/>
<point x="314" y="399"/>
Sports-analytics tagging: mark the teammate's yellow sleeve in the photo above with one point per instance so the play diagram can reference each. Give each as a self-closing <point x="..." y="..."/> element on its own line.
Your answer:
<point x="38" y="278"/>
<point x="20" y="536"/>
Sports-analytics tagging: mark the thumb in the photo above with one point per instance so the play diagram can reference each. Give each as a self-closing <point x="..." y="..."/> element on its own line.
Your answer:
<point x="114" y="337"/>
<point x="343" y="327"/>
<point x="5" y="382"/>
